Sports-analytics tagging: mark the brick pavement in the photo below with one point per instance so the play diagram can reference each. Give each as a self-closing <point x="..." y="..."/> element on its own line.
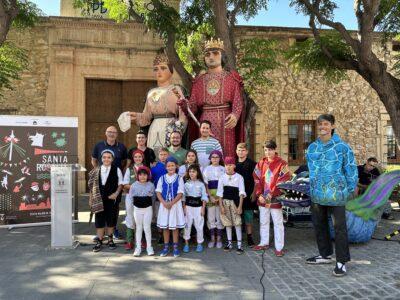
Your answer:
<point x="30" y="270"/>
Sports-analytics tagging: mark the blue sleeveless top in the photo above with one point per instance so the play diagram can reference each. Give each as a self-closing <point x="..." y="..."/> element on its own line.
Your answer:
<point x="169" y="190"/>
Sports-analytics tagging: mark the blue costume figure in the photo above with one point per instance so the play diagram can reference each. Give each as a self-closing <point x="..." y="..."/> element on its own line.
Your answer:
<point x="333" y="179"/>
<point x="333" y="171"/>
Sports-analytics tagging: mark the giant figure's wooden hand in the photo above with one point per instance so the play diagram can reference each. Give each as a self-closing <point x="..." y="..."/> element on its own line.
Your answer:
<point x="181" y="102"/>
<point x="230" y="121"/>
<point x="133" y="116"/>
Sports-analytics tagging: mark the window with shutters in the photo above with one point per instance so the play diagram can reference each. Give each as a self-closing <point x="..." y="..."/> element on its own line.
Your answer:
<point x="393" y="155"/>
<point x="301" y="134"/>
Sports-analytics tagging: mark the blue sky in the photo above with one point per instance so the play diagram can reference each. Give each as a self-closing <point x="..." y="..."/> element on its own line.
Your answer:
<point x="278" y="14"/>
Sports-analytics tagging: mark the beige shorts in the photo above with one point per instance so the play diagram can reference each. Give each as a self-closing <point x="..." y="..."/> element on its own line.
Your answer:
<point x="231" y="217"/>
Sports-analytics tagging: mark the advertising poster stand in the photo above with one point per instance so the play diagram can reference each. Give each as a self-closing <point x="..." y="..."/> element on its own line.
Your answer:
<point x="29" y="146"/>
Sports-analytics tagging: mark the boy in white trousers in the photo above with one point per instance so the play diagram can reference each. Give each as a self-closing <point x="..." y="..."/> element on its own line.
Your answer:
<point x="270" y="171"/>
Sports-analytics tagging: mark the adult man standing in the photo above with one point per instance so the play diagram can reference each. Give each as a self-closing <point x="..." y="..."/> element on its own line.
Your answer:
<point x="205" y="144"/>
<point x="112" y="144"/>
<point x="217" y="96"/>
<point x="333" y="179"/>
<point x="176" y="149"/>
<point x="149" y="155"/>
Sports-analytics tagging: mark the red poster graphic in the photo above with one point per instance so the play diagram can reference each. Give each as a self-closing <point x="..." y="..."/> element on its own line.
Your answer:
<point x="28" y="147"/>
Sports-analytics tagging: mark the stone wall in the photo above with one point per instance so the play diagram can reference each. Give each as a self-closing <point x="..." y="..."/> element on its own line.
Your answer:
<point x="361" y="118"/>
<point x="65" y="51"/>
<point x="29" y="94"/>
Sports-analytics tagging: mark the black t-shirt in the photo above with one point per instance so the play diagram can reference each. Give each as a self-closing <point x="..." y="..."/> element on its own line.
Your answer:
<point x="246" y="169"/>
<point x="149" y="155"/>
<point x="366" y="177"/>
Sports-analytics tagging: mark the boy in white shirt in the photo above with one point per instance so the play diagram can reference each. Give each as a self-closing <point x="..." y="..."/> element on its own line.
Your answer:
<point x="230" y="193"/>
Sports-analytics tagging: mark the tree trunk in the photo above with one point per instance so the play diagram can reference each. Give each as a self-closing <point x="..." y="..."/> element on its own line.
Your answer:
<point x="387" y="87"/>
<point x="220" y="12"/>
<point x="251" y="109"/>
<point x="8" y="11"/>
<point x="177" y="63"/>
<point x="225" y="33"/>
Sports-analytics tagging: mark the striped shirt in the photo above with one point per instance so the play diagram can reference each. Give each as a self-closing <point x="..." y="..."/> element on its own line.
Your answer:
<point x="204" y="148"/>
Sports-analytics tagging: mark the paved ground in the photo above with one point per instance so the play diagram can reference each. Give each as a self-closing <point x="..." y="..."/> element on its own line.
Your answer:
<point x="30" y="270"/>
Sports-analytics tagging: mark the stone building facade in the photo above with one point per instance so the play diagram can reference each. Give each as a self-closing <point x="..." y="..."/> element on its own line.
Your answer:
<point x="68" y="55"/>
<point x="362" y="120"/>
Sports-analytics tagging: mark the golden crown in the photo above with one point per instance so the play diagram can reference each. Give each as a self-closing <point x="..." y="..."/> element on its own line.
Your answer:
<point x="161" y="59"/>
<point x="214" y="44"/>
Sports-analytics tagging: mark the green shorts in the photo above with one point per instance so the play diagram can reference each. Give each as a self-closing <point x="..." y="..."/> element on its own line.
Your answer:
<point x="248" y="216"/>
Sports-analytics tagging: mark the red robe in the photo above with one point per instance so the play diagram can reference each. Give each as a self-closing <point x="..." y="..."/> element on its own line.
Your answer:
<point x="213" y="98"/>
<point x="266" y="177"/>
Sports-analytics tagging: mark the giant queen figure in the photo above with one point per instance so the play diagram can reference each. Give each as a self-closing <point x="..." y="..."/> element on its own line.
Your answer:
<point x="216" y="96"/>
<point x="161" y="110"/>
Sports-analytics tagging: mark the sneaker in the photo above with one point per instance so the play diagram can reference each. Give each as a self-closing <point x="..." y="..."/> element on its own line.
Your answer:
<point x="98" y="246"/>
<point x="150" y="251"/>
<point x="186" y="248"/>
<point x="228" y="247"/>
<point x="111" y="245"/>
<point x="137" y="252"/>
<point x="116" y="234"/>
<point x="219" y="244"/>
<point x="318" y="260"/>
<point x="239" y="251"/>
<point x="340" y="270"/>
<point x="95" y="239"/>
<point x="250" y="242"/>
<point x="199" y="248"/>
<point x="279" y="253"/>
<point x="176" y="252"/>
<point x="211" y="244"/>
<point x="128" y="246"/>
<point x="164" y="252"/>
<point x="261" y="247"/>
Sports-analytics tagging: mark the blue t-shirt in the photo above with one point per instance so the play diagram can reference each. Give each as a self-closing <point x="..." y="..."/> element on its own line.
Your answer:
<point x="119" y="151"/>
<point x="157" y="171"/>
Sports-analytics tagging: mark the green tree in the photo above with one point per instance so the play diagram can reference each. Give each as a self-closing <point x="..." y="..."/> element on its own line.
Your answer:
<point x="342" y="50"/>
<point x="13" y="60"/>
<point x="185" y="32"/>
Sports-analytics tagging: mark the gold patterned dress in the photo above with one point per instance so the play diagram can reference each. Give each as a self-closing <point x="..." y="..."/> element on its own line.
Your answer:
<point x="159" y="112"/>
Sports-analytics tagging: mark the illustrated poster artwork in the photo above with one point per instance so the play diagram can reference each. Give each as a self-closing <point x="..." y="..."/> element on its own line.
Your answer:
<point x="26" y="154"/>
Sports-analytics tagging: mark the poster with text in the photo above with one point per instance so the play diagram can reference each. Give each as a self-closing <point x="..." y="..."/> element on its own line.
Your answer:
<point x="29" y="145"/>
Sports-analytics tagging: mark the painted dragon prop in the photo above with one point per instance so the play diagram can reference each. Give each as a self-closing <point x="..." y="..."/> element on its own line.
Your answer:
<point x="363" y="213"/>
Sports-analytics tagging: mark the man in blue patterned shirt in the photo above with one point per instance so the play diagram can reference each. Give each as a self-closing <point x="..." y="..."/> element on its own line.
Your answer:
<point x="333" y="179"/>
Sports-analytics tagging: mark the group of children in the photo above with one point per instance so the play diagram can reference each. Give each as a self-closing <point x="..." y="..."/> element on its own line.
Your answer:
<point x="179" y="197"/>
